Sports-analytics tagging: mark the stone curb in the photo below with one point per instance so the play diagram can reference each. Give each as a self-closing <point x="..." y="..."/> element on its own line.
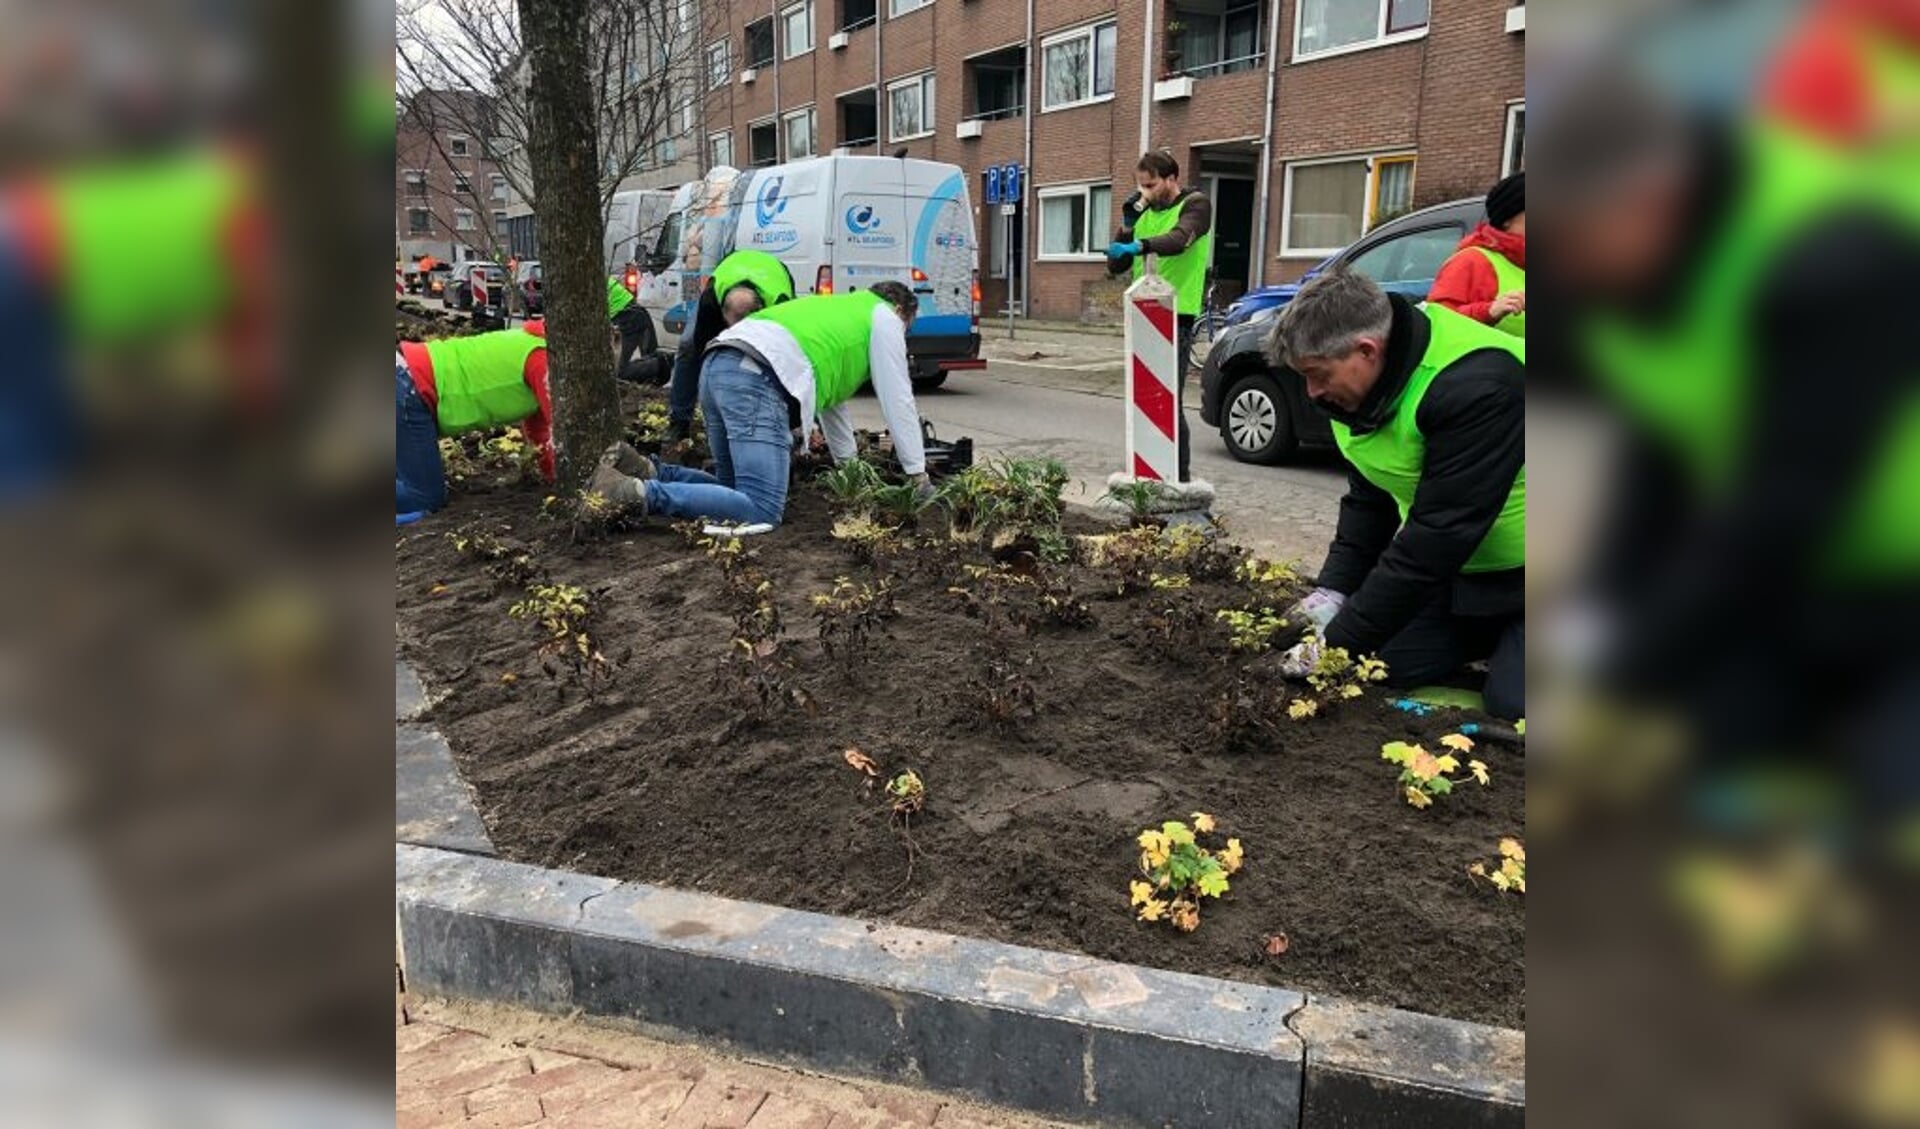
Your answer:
<point x="1059" y="1034"/>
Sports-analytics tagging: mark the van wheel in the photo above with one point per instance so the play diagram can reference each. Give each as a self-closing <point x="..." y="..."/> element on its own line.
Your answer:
<point x="930" y="382"/>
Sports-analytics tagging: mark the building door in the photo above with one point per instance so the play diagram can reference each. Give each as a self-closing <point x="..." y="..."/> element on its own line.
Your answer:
<point x="1233" y="209"/>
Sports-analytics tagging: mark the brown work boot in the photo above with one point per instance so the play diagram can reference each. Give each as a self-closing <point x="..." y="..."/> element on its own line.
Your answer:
<point x="623" y="458"/>
<point x="621" y="490"/>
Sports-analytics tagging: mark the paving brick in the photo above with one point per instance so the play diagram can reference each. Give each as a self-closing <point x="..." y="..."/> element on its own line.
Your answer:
<point x="783" y="1112"/>
<point x="649" y="1102"/>
<point x="717" y="1104"/>
<point x="418" y="1036"/>
<point x="477" y="1078"/>
<point x="426" y="1115"/>
<point x="524" y="1110"/>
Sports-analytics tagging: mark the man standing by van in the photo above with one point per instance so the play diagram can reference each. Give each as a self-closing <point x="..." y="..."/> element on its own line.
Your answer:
<point x="764" y="281"/>
<point x="773" y="372"/>
<point x="1174" y="224"/>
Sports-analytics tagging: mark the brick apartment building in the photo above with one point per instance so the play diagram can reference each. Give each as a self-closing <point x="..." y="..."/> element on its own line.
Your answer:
<point x="450" y="200"/>
<point x="1307" y="121"/>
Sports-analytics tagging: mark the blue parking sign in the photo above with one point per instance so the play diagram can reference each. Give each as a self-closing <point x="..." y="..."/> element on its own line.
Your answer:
<point x="1010" y="184"/>
<point x="993" y="185"/>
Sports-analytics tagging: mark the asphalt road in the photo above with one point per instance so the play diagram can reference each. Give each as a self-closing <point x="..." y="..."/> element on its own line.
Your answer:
<point x="1076" y="416"/>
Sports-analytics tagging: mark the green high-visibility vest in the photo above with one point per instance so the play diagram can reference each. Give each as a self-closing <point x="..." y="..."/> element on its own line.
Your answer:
<point x="1187" y="271"/>
<point x="767" y="274"/>
<point x="1507" y="277"/>
<point x="1689" y="380"/>
<point x="835" y="331"/>
<point x="144" y="245"/>
<point x="617" y="297"/>
<point x="1394" y="456"/>
<point x="481" y="380"/>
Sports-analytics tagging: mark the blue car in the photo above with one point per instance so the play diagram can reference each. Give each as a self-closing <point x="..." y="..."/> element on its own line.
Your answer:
<point x="1263" y="414"/>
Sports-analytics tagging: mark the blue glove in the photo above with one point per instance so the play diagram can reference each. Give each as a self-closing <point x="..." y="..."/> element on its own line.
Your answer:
<point x="1122" y="250"/>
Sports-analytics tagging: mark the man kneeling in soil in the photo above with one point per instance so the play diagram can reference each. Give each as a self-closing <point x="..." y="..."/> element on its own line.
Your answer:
<point x="1428" y="564"/>
<point x="772" y="373"/>
<point x="459" y="384"/>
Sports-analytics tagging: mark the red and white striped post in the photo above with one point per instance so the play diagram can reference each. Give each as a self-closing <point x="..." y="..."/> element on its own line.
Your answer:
<point x="1153" y="403"/>
<point x="399" y="282"/>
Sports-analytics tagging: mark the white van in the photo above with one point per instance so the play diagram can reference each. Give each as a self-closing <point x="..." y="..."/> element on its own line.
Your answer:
<point x="840" y="224"/>
<point x="634" y="223"/>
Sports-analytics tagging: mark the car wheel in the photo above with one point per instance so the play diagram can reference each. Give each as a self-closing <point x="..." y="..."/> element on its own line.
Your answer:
<point x="929" y="382"/>
<point x="1254" y="421"/>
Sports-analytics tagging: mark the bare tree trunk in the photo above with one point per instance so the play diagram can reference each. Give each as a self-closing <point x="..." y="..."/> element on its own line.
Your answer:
<point x="565" y="161"/>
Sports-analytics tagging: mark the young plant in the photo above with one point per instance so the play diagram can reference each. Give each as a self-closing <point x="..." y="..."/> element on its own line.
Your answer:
<point x="1032" y="492"/>
<point x="1172" y="626"/>
<point x="1510" y="874"/>
<point x="1261" y="573"/>
<point x="1180" y="872"/>
<point x="1140" y="498"/>
<point x="1424" y="776"/>
<point x="907" y="792"/>
<point x="850" y="485"/>
<point x="563" y="610"/>
<point x="1200" y="553"/>
<point x="1251" y="630"/>
<point x="848" y="617"/>
<point x="898" y="507"/>
<point x="971" y="500"/>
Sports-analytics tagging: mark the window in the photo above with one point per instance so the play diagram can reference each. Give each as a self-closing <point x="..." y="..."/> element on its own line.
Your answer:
<point x="1329" y="204"/>
<point x="719" y="66"/>
<point x="1077" y="67"/>
<point x="763" y="143"/>
<point x="902" y="7"/>
<point x="797" y="24"/>
<point x="799" y="134"/>
<point x="457" y="145"/>
<point x="719" y="149"/>
<point x="859" y="118"/>
<point x="759" y="51"/>
<point x="1216" y="43"/>
<point x="1073" y="221"/>
<point x="463" y="220"/>
<point x="462" y="183"/>
<point x="910" y="108"/>
<point x="683" y="15"/>
<point x="499" y="220"/>
<point x="499" y="187"/>
<point x="416" y="182"/>
<point x="667" y="152"/>
<point x="1514" y="156"/>
<point x="1336" y="25"/>
<point x="856" y="14"/>
<point x="1413" y="257"/>
<point x="999" y="83"/>
<point x="419" y="221"/>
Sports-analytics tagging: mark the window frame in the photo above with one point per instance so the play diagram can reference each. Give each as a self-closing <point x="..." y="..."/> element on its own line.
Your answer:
<point x="1368" y="201"/>
<point x="1381" y="37"/>
<point x="713" y="161"/>
<point x="462" y="183"/>
<point x="1516" y="113"/>
<point x="787" y="118"/>
<point x="500" y="189"/>
<point x="723" y="77"/>
<point x="459" y="145"/>
<point x="499" y="219"/>
<point x="928" y="106"/>
<point x="423" y="229"/>
<point x="1374" y="180"/>
<point x="1091" y="33"/>
<point x="407" y="182"/>
<point x="747" y="61"/>
<point x="774" y="123"/>
<point x="472" y="222"/>
<point x="1095" y="241"/>
<point x="786" y="38"/>
<point x="895" y="11"/>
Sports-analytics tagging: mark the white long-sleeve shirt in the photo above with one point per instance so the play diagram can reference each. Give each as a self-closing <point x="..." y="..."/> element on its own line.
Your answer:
<point x="892" y="384"/>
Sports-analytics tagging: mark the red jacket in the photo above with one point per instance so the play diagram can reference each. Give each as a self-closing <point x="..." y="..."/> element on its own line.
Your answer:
<point x="1466" y="283"/>
<point x="537" y="427"/>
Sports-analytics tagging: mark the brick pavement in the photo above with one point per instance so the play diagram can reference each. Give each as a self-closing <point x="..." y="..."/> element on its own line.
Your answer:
<point x="458" y="1063"/>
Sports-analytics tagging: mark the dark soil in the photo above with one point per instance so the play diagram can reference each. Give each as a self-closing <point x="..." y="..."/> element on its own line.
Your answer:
<point x="663" y="776"/>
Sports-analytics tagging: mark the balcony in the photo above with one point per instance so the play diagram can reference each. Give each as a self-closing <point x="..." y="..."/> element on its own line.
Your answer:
<point x="1210" y="38"/>
<point x="995" y="90"/>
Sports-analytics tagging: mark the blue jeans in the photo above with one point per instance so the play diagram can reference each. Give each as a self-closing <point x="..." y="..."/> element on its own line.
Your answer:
<point x="419" y="481"/>
<point x="752" y="448"/>
<point x="40" y="435"/>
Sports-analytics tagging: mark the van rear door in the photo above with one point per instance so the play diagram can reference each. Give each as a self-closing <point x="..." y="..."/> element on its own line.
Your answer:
<point x="869" y="222"/>
<point x="942" y="255"/>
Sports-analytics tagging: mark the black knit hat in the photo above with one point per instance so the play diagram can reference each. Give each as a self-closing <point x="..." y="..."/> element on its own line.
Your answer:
<point x="1507" y="199"/>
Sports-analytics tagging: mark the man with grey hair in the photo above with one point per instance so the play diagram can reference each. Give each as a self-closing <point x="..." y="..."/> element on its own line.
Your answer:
<point x="1428" y="564"/>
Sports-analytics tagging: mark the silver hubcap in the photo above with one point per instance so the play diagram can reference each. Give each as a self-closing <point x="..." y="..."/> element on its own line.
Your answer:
<point x="1251" y="420"/>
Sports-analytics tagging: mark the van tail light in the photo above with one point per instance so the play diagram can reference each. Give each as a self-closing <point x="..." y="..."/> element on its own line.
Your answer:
<point x="976" y="299"/>
<point x="919" y="275"/>
<point x="823" y="280"/>
<point x="633" y="282"/>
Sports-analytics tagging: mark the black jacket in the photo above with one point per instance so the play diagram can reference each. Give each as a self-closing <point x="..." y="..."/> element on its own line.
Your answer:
<point x="1474" y="419"/>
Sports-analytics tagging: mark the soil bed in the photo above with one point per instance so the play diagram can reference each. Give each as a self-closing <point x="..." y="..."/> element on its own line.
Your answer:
<point x="662" y="775"/>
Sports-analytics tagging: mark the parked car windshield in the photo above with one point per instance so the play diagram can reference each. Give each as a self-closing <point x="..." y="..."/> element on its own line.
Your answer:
<point x="1413" y="257"/>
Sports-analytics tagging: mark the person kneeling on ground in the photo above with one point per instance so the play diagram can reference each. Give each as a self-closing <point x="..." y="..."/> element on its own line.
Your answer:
<point x="770" y="283"/>
<point x="637" y="335"/>
<point x="1428" y="563"/>
<point x="780" y="369"/>
<point x="460" y="384"/>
